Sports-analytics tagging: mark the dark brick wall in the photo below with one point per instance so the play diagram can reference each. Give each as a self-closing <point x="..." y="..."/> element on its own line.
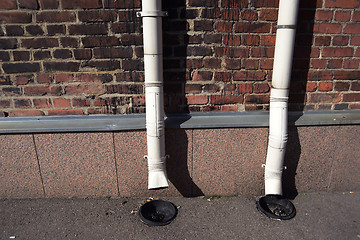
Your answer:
<point x="85" y="56"/>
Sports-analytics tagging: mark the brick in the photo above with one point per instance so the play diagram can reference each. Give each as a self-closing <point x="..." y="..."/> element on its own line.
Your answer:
<point x="69" y="42"/>
<point x="222" y="76"/>
<point x="124" y="89"/>
<point x="356" y="16"/>
<point x="257" y="99"/>
<point x="212" y="38"/>
<point x="262" y="52"/>
<point x="88" y="29"/>
<point x="43" y="78"/>
<point x="249" y="76"/>
<point x="40" y="55"/>
<point x="230" y="14"/>
<point x="342" y="16"/>
<point x="130" y="77"/>
<point x="318" y="75"/>
<point x="327" y="28"/>
<point x="353" y="4"/>
<point x="55" y="17"/>
<point x="131" y="39"/>
<point x="337" y="52"/>
<point x="14" y="30"/>
<point x="61" y="102"/>
<point x="113" y="52"/>
<point x="64" y="77"/>
<point x="106" y="65"/>
<point x="265" y="3"/>
<point x="245" y="27"/>
<point x="203" y="25"/>
<point x="4" y="103"/>
<point x="268" y="15"/>
<point x="213" y="63"/>
<point x="229" y="108"/>
<point x="8" y="43"/>
<point x="78" y="102"/>
<point x="65" y="112"/>
<point x="100" y="41"/>
<point x="232" y="64"/>
<point x="322" y="40"/>
<point x="21" y="67"/>
<point x="62" y="66"/>
<point x="189" y="13"/>
<point x="42" y="91"/>
<point x="11" y="91"/>
<point x="244" y="88"/>
<point x="81" y="54"/>
<point x="233" y="4"/>
<point x="346" y="75"/>
<point x="212" y="13"/>
<point x="49" y="4"/>
<point x="324" y="15"/>
<point x="84" y="4"/>
<point x="41" y="103"/>
<point x="201" y="76"/>
<point x="98" y="15"/>
<point x="324" y="97"/>
<point x="334" y="63"/>
<point x="351" y="63"/>
<point x="311" y="86"/>
<point x="4" y="56"/>
<point x="125" y="4"/>
<point x="224" y="27"/>
<point x="355" y="40"/>
<point x="351" y="97"/>
<point x="197" y="100"/>
<point x="325" y="86"/>
<point x="249" y="14"/>
<point x="18" y="113"/>
<point x="28" y="4"/>
<point x="85" y="89"/>
<point x="261" y="88"/>
<point x="226" y="99"/>
<point x="24" y="79"/>
<point x="193" y="88"/>
<point x="203" y="3"/>
<point x="85" y="77"/>
<point x="34" y="30"/>
<point x="318" y="63"/>
<point x="198" y="51"/>
<point x="250" y="40"/>
<point x="354" y="106"/>
<point x="22" y="103"/>
<point x="340" y="40"/>
<point x="342" y="86"/>
<point x="8" y="4"/>
<point x="232" y="40"/>
<point x="266" y="64"/>
<point x="56" y="29"/>
<point x="355" y="86"/>
<point x="62" y="54"/>
<point x="250" y="64"/>
<point x="211" y="88"/>
<point x="352" y="28"/>
<point x="39" y="43"/>
<point x="21" y="55"/>
<point x="15" y="17"/>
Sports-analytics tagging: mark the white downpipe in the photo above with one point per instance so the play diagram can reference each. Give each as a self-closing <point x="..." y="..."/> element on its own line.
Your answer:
<point x="278" y="134"/>
<point x="153" y="64"/>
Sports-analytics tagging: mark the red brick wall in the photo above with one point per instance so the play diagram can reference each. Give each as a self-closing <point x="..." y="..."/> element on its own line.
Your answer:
<point x="60" y="57"/>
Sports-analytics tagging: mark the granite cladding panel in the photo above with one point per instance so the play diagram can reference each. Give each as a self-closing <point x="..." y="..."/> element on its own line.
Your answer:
<point x="77" y="164"/>
<point x="130" y="148"/>
<point x="19" y="169"/>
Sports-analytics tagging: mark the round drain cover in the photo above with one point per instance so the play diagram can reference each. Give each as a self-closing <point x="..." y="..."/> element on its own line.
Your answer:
<point x="158" y="212"/>
<point x="276" y="206"/>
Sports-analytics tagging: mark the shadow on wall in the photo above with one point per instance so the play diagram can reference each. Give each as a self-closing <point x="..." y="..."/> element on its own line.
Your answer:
<point x="297" y="97"/>
<point x="176" y="40"/>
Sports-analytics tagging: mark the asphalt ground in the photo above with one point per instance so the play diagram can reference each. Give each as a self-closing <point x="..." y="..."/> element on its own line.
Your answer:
<point x="319" y="216"/>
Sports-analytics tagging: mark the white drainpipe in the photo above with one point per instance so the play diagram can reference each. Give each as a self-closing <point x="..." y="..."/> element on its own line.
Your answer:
<point x="153" y="63"/>
<point x="284" y="46"/>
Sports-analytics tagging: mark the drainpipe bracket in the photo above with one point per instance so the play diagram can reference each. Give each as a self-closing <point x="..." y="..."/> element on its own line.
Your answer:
<point x="152" y="14"/>
<point x="285" y="27"/>
<point x="264" y="166"/>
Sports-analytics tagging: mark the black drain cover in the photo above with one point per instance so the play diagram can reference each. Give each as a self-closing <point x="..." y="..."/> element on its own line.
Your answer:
<point x="158" y="212"/>
<point x="276" y="206"/>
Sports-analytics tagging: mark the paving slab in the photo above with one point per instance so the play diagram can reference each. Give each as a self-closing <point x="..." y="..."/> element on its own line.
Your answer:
<point x="319" y="216"/>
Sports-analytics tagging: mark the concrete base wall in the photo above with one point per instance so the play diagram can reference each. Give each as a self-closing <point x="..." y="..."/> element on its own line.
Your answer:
<point x="224" y="161"/>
